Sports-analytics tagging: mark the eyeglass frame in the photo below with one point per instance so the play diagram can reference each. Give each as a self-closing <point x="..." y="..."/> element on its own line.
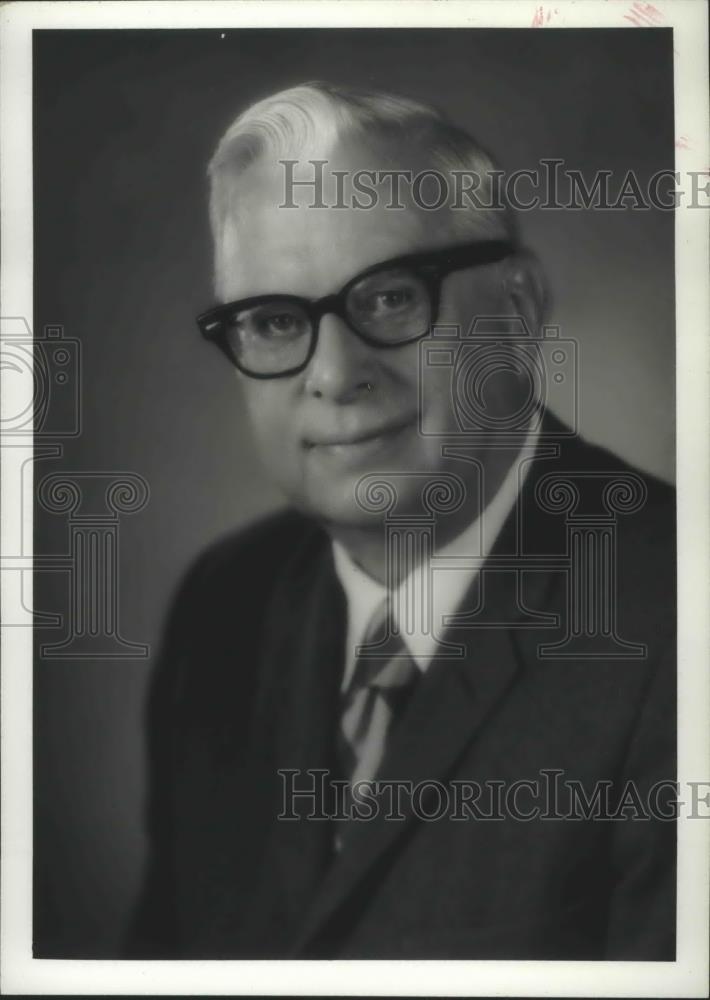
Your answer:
<point x="430" y="266"/>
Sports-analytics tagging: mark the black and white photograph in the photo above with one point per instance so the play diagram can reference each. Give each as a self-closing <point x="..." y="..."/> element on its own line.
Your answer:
<point x="355" y="498"/>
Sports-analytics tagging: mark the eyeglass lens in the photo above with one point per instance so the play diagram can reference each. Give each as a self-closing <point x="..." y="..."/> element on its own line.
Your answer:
<point x="388" y="307"/>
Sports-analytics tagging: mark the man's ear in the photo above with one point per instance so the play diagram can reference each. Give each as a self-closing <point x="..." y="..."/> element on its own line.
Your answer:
<point x="526" y="289"/>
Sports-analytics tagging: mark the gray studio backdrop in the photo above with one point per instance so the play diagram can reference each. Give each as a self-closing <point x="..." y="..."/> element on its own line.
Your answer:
<point x="124" y="123"/>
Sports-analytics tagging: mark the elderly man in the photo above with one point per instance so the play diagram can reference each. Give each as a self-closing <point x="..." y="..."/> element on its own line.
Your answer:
<point x="427" y="711"/>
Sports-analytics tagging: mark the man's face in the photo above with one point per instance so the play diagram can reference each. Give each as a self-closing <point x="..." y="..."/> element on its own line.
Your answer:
<point x="355" y="409"/>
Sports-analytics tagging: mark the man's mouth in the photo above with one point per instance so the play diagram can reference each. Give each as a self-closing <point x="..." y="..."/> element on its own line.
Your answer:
<point x="358" y="440"/>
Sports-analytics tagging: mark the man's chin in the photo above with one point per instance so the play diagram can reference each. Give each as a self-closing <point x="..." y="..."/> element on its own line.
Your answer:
<point x="363" y="501"/>
<point x="339" y="512"/>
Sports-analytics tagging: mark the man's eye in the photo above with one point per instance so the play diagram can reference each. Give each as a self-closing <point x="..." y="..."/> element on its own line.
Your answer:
<point x="279" y="325"/>
<point x="394" y="299"/>
<point x="388" y="300"/>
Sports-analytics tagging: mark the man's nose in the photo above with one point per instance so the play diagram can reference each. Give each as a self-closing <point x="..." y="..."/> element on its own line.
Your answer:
<point x="342" y="365"/>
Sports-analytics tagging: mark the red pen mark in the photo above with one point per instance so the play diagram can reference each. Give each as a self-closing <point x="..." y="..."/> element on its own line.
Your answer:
<point x="643" y="15"/>
<point x="682" y="142"/>
<point x="540" y="18"/>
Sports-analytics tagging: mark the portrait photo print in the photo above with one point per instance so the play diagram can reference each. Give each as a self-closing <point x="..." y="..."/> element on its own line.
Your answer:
<point x="354" y="510"/>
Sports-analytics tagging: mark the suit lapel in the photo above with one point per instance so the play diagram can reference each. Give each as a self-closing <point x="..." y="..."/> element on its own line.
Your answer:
<point x="449" y="705"/>
<point x="305" y="662"/>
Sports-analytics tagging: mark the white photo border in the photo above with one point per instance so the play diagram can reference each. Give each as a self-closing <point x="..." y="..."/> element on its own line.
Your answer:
<point x="688" y="975"/>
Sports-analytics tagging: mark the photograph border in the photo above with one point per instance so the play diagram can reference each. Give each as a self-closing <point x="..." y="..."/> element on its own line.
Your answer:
<point x="688" y="975"/>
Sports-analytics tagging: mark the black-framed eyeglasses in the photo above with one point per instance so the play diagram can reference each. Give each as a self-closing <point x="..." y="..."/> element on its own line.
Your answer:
<point x="390" y="304"/>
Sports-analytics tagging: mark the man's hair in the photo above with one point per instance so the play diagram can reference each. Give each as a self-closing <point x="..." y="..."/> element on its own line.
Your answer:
<point x="309" y="121"/>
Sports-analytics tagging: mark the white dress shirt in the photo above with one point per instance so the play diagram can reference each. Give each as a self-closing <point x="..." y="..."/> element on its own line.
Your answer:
<point x="364" y="594"/>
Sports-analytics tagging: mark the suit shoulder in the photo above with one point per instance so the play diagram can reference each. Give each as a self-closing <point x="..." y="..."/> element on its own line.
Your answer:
<point x="637" y="505"/>
<point x="220" y="607"/>
<point x="657" y="498"/>
<point x="257" y="549"/>
<point x="233" y="575"/>
<point x="642" y="508"/>
<point x="579" y="455"/>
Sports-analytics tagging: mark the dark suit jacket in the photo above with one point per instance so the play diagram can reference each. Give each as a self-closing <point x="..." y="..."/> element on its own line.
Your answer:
<point x="248" y="684"/>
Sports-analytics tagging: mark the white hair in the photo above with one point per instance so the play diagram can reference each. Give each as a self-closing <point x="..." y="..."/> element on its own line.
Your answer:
<point x="309" y="120"/>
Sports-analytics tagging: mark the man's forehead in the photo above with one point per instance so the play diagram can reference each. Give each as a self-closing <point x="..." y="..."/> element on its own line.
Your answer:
<point x="312" y="250"/>
<point x="310" y="256"/>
